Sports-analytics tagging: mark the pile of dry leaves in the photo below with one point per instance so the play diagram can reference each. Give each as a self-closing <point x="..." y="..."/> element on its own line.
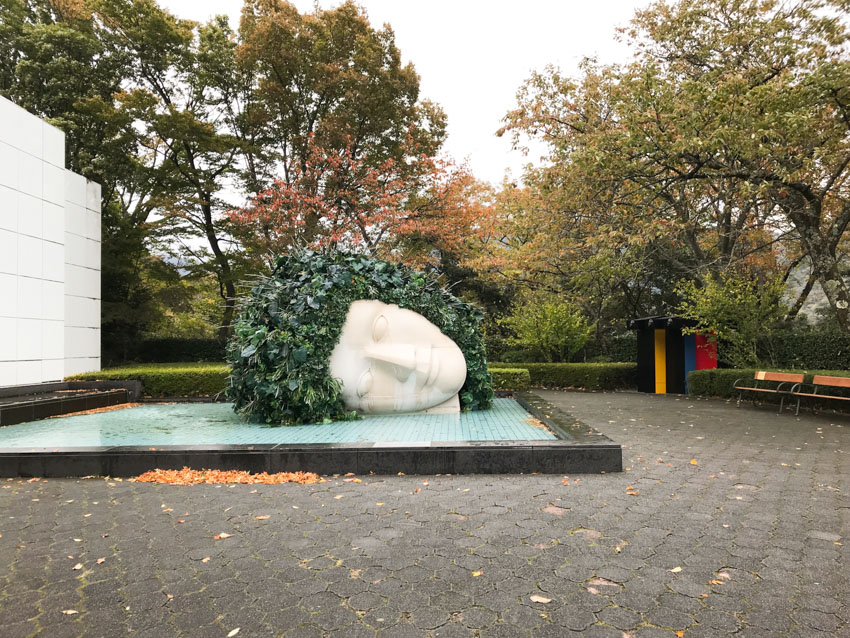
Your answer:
<point x="187" y="476"/>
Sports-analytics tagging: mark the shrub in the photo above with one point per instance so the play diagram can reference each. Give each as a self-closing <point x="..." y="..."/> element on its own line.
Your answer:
<point x="290" y="324"/>
<point x="590" y="376"/>
<point x="168" y="379"/>
<point x="517" y="379"/>
<point x="824" y="350"/>
<point x="736" y="309"/>
<point x="549" y="326"/>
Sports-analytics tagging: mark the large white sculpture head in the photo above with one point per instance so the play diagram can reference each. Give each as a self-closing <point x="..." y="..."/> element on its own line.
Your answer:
<point x="395" y="360"/>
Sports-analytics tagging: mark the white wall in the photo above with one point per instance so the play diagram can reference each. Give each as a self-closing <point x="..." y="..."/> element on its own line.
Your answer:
<point x="49" y="256"/>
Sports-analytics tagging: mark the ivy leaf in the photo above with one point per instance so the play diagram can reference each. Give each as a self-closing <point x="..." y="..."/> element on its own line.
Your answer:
<point x="248" y="350"/>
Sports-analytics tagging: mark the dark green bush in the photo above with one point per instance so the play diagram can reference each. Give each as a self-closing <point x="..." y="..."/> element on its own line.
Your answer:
<point x="172" y="350"/>
<point x="716" y="383"/>
<point x="590" y="376"/>
<point x="168" y="379"/>
<point x="821" y="350"/>
<point x="288" y="327"/>
<point x="517" y="379"/>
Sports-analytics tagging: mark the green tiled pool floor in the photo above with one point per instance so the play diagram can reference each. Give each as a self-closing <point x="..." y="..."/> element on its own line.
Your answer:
<point x="216" y="424"/>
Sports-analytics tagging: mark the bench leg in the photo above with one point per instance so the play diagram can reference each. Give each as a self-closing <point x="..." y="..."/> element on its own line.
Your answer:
<point x="781" y="404"/>
<point x="797" y="412"/>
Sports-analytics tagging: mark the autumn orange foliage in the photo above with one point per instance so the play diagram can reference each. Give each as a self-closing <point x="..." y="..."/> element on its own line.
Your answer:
<point x="188" y="476"/>
<point x="335" y="198"/>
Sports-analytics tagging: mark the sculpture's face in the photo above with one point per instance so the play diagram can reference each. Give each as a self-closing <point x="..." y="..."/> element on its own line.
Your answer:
<point x="394" y="360"/>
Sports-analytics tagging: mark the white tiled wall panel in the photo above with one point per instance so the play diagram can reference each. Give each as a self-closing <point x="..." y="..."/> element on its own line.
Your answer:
<point x="49" y="256"/>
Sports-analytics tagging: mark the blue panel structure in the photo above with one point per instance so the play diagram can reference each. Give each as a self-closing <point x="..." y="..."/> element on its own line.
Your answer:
<point x="690" y="356"/>
<point x="216" y="424"/>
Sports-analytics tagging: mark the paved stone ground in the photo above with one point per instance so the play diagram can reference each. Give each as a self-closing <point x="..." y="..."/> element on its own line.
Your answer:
<point x="752" y="540"/>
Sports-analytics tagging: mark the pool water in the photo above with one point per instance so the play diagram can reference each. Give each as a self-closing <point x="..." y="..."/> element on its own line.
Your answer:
<point x="216" y="424"/>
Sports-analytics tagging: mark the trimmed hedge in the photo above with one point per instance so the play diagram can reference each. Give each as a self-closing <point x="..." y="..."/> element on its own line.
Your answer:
<point x="167" y="379"/>
<point x="821" y="350"/>
<point x="720" y="382"/>
<point x="174" y="350"/>
<point x="590" y="376"/>
<point x="517" y="379"/>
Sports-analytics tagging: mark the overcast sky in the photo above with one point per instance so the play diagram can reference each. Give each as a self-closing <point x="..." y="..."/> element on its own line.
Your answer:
<point x="473" y="55"/>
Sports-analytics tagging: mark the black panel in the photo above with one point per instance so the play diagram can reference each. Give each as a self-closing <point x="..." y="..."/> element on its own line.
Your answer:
<point x="646" y="360"/>
<point x="675" y="361"/>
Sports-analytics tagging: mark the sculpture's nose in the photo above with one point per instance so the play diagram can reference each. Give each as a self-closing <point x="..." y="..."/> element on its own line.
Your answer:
<point x="396" y="354"/>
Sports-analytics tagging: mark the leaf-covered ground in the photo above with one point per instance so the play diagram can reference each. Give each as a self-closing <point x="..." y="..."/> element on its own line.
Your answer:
<point x="726" y="521"/>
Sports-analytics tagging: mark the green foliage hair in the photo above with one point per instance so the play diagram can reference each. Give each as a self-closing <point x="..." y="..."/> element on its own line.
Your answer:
<point x="288" y="327"/>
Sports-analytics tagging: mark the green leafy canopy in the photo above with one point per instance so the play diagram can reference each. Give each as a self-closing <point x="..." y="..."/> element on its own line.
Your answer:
<point x="289" y="325"/>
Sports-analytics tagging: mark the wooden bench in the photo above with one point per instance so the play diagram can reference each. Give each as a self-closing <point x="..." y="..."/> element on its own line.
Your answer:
<point x="787" y="383"/>
<point x="820" y="381"/>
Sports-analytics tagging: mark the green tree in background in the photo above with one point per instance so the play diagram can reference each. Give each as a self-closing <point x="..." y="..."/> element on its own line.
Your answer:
<point x="728" y="134"/>
<point x="549" y="326"/>
<point x="736" y="309"/>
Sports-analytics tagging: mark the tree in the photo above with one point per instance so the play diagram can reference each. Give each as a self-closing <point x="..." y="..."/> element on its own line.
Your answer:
<point x="727" y="135"/>
<point x="407" y="209"/>
<point x="736" y="309"/>
<point x="330" y="78"/>
<point x="551" y="327"/>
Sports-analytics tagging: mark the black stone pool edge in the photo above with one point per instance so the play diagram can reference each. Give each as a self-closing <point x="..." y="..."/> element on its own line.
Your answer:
<point x="577" y="450"/>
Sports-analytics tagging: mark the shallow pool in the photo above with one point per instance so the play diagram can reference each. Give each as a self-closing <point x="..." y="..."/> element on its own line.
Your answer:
<point x="216" y="424"/>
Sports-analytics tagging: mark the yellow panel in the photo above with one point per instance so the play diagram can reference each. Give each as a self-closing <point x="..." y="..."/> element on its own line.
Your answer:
<point x="660" y="362"/>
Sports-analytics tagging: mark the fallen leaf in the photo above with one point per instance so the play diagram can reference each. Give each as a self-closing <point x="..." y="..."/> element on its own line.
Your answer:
<point x="693" y="461"/>
<point x="221" y="536"/>
<point x="540" y="599"/>
<point x="476" y="574"/>
<point x="77" y="567"/>
<point x="680" y="634"/>
<point x="188" y="476"/>
<point x="233" y="632"/>
<point x="715" y="582"/>
<point x="101" y="561"/>
<point x="675" y="570"/>
<point x="262" y="518"/>
<point x="379" y="504"/>
<point x="205" y="560"/>
<point x="70" y="612"/>
<point x="78" y="540"/>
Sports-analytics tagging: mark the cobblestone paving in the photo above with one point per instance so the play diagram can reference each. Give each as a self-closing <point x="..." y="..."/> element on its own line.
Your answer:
<point x="751" y="540"/>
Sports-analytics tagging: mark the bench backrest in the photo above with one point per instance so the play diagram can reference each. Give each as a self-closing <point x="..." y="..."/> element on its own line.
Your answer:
<point x="779" y="376"/>
<point x="841" y="382"/>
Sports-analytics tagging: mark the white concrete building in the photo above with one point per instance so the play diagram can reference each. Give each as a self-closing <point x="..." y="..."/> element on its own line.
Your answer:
<point x="49" y="255"/>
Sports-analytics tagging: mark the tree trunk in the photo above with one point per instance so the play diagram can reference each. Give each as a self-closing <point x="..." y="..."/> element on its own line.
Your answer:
<point x="804" y="210"/>
<point x="225" y="271"/>
<point x="825" y="269"/>
<point x="801" y="298"/>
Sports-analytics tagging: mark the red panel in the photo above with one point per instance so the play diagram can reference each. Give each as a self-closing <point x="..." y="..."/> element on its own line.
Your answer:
<point x="706" y="353"/>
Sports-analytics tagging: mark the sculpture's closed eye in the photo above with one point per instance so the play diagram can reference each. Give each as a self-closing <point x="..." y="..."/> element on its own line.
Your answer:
<point x="380" y="327"/>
